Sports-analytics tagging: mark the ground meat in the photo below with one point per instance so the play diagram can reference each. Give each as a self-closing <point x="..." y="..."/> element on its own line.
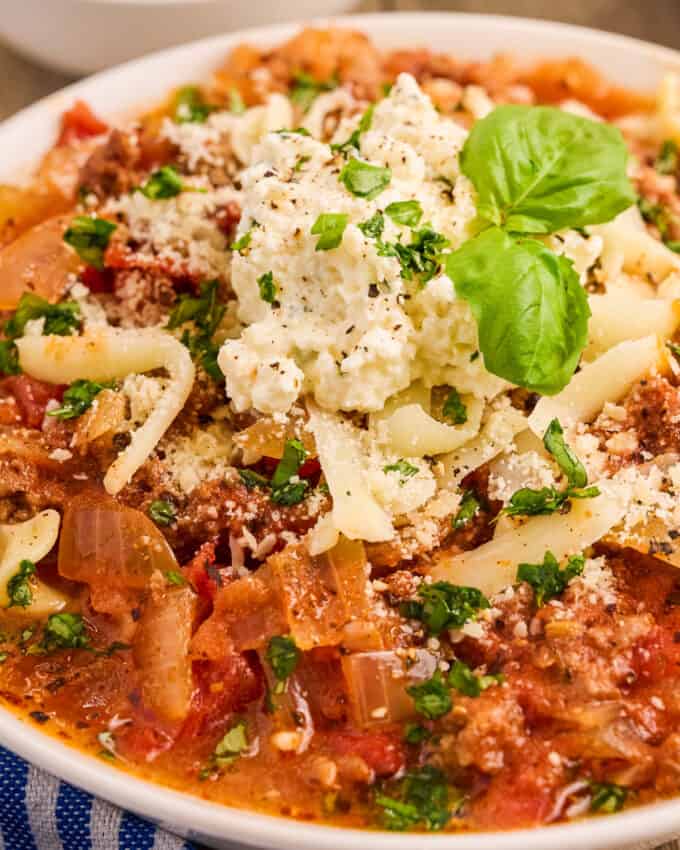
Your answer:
<point x="113" y="168"/>
<point x="652" y="420"/>
<point x="494" y="726"/>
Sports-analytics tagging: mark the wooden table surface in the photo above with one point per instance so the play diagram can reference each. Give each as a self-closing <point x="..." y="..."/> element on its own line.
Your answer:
<point x="659" y="21"/>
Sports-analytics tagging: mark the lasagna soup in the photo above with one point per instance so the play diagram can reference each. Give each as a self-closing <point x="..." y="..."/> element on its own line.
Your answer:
<point x="340" y="439"/>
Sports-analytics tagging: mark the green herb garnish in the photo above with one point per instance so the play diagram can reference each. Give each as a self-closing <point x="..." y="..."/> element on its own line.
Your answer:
<point x="607" y="797"/>
<point x="268" y="288"/>
<point x="78" y="398"/>
<point x="162" y="184"/>
<point x="190" y="106"/>
<point x="403" y="468"/>
<point x="231" y="746"/>
<point x="89" y="236"/>
<point x="162" y="512"/>
<point x="363" y="179"/>
<point x="19" y="591"/>
<point x="354" y="141"/>
<point x="206" y="313"/>
<point x="469" y="506"/>
<point x="421" y="798"/>
<point x="373" y="227"/>
<point x="329" y="227"/>
<point x="306" y="89"/>
<point x="454" y="408"/>
<point x="547" y="579"/>
<point x="408" y="213"/>
<point x="667" y="160"/>
<point x="283" y="657"/>
<point x="461" y="677"/>
<point x="445" y="605"/>
<point x="431" y="698"/>
<point x="60" y="319"/>
<point x="65" y="631"/>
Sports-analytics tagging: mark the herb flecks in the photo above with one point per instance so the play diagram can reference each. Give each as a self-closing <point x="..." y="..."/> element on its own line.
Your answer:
<point x="547" y="579"/>
<point x="205" y="312"/>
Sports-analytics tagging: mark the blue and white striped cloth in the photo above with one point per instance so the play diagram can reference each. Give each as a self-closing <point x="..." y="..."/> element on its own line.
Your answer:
<point x="39" y="812"/>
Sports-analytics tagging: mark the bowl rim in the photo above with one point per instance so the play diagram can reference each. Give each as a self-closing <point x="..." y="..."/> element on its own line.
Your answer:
<point x="192" y="816"/>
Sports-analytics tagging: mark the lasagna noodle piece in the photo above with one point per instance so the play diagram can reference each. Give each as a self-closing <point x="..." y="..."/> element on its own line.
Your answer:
<point x="106" y="355"/>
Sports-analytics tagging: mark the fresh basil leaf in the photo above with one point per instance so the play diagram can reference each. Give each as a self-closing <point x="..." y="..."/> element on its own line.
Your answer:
<point x="329" y="227"/>
<point x="538" y="169"/>
<point x="454" y="408"/>
<point x="90" y="237"/>
<point x="571" y="466"/>
<point x="162" y="184"/>
<point x="78" y="398"/>
<point x="408" y="213"/>
<point x="267" y="287"/>
<point x="547" y="579"/>
<point x="531" y="311"/>
<point x="363" y="179"/>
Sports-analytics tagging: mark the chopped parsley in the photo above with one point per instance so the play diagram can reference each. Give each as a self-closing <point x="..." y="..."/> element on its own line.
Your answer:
<point x="405" y="212"/>
<point x="414" y="733"/>
<point x="65" y="631"/>
<point x="461" y="677"/>
<point x="674" y="349"/>
<point x="231" y="746"/>
<point x="421" y="259"/>
<point x="60" y="319"/>
<point x="162" y="512"/>
<point x="190" y="106"/>
<point x="283" y="657"/>
<point x="78" y="398"/>
<point x="329" y="227"/>
<point x="445" y="606"/>
<point x="667" y="160"/>
<point x="242" y="242"/>
<point x="175" y="578"/>
<point x="299" y="162"/>
<point x="206" y="313"/>
<point x="162" y="184"/>
<point x="404" y="469"/>
<point x="374" y="226"/>
<point x="89" y="236"/>
<point x="571" y="466"/>
<point x="607" y="797"/>
<point x="454" y="408"/>
<point x="421" y="798"/>
<point x="19" y="591"/>
<point x="286" y="491"/>
<point x="236" y="104"/>
<point x="306" y="89"/>
<point x="469" y="505"/>
<point x="353" y="143"/>
<point x="547" y="579"/>
<point x="9" y="358"/>
<point x="267" y="287"/>
<point x="431" y="698"/>
<point x="253" y="479"/>
<point x="363" y="179"/>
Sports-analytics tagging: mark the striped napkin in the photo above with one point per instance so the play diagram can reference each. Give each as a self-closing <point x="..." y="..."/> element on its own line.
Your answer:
<point x="39" y="812"/>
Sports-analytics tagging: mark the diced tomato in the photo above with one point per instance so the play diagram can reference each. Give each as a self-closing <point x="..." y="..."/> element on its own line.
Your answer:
<point x="657" y="655"/>
<point x="310" y="468"/>
<point x="143" y="740"/>
<point x="32" y="397"/>
<point x="514" y="799"/>
<point x="228" y="218"/>
<point x="222" y="687"/>
<point x="97" y="280"/>
<point x="198" y="572"/>
<point x="383" y="752"/>
<point x="79" y="122"/>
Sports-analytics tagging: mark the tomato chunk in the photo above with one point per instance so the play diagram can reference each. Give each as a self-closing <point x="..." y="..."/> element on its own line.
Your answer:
<point x="32" y="397"/>
<point x="383" y="752"/>
<point x="79" y="122"/>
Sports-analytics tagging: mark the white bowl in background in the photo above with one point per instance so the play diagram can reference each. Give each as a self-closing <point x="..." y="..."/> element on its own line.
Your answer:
<point x="119" y="92"/>
<point x="84" y="36"/>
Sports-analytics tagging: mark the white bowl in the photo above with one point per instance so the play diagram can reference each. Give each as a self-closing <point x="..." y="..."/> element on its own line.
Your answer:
<point x="84" y="36"/>
<point x="117" y="93"/>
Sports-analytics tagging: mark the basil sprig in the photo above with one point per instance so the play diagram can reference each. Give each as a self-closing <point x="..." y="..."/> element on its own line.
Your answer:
<point x="536" y="170"/>
<point x="531" y="311"/>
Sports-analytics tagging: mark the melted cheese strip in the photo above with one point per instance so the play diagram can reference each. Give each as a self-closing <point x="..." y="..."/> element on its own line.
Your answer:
<point x="30" y="541"/>
<point x="621" y="315"/>
<point x="608" y="378"/>
<point x="106" y="355"/>
<point x="356" y="513"/>
<point x="493" y="566"/>
<point x="411" y="431"/>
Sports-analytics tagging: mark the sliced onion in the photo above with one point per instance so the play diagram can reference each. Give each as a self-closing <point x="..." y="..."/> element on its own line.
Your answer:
<point x="412" y="432"/>
<point x="267" y="438"/>
<point x="112" y="548"/>
<point x="38" y="261"/>
<point x="377" y="682"/>
<point x="161" y="652"/>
